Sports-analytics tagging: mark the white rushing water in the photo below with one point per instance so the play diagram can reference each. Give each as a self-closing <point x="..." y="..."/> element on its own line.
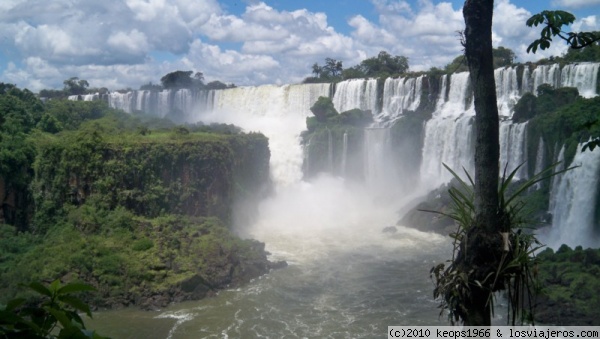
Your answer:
<point x="399" y="95"/>
<point x="448" y="135"/>
<point x="356" y="93"/>
<point x="279" y="112"/>
<point x="575" y="193"/>
<point x="513" y="149"/>
<point x="346" y="278"/>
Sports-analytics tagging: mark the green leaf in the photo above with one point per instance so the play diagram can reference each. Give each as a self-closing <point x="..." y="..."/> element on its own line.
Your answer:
<point x="41" y="289"/>
<point x="76" y="303"/>
<point x="60" y="316"/>
<point x="72" y="333"/>
<point x="14" y="303"/>
<point x="75" y="287"/>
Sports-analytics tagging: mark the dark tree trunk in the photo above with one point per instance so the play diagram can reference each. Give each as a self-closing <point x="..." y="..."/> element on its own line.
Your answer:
<point x="478" y="51"/>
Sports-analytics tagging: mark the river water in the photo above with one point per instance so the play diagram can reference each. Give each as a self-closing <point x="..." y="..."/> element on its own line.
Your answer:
<point x="346" y="278"/>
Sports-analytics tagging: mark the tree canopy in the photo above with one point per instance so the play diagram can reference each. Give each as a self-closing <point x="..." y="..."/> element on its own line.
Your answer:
<point x="380" y="66"/>
<point x="553" y="21"/>
<point x="75" y="86"/>
<point x="383" y="65"/>
<point x="182" y="79"/>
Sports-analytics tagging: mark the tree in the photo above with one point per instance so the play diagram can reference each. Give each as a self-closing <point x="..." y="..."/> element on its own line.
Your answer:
<point x="323" y="108"/>
<point x="177" y="80"/>
<point x="317" y="70"/>
<point x="553" y="22"/>
<point x="466" y="286"/>
<point x="333" y="68"/>
<point x="503" y="56"/>
<point x="330" y="72"/>
<point x="150" y="87"/>
<point x="484" y="240"/>
<point x="384" y="65"/>
<point x="75" y="86"/>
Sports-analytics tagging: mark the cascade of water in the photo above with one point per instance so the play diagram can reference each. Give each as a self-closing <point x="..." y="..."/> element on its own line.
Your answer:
<point x="526" y="85"/>
<point x="443" y="91"/>
<point x="584" y="76"/>
<point x="513" y="148"/>
<point x="329" y="150"/>
<point x="448" y="135"/>
<point x="305" y="151"/>
<point x="356" y="93"/>
<point x="122" y="101"/>
<point x="573" y="203"/>
<point x="557" y="178"/>
<point x="507" y="90"/>
<point x="459" y="100"/>
<point x="379" y="172"/>
<point x="546" y="74"/>
<point x="450" y="142"/>
<point x="344" y="153"/>
<point x="539" y="161"/>
<point x="399" y="95"/>
<point x="279" y="112"/>
<point x="84" y="97"/>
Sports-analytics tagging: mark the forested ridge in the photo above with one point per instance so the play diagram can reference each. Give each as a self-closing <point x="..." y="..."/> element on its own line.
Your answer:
<point x="137" y="207"/>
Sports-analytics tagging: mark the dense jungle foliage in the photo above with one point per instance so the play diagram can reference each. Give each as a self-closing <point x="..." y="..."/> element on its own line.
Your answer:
<point x="136" y="207"/>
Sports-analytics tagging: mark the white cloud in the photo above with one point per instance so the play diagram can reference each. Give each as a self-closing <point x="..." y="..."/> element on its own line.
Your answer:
<point x="116" y="43"/>
<point x="423" y="33"/>
<point x="587" y="24"/>
<point x="134" y="42"/>
<point x="368" y="33"/>
<point x="572" y="4"/>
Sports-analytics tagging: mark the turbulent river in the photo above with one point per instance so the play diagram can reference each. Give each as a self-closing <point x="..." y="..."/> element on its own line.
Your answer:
<point x="346" y="278"/>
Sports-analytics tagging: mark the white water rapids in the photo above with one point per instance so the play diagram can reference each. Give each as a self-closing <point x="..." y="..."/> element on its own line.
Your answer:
<point x="346" y="277"/>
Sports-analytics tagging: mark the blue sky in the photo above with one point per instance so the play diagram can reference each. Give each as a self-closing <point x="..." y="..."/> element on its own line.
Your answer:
<point x="127" y="43"/>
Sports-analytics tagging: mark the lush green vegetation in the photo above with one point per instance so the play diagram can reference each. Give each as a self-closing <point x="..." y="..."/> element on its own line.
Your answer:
<point x="324" y="139"/>
<point x="381" y="66"/>
<point x="131" y="260"/>
<point x="565" y="120"/>
<point x="136" y="207"/>
<point x="571" y="281"/>
<point x="55" y="315"/>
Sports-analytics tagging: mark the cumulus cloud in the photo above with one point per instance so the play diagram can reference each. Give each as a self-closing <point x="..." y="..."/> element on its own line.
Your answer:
<point x="572" y="4"/>
<point x="426" y="34"/>
<point x="125" y="43"/>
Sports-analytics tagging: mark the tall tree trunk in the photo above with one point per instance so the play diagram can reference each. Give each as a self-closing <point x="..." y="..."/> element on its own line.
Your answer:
<point x="478" y="50"/>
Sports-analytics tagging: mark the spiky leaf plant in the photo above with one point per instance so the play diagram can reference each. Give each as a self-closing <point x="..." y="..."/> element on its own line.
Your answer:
<point x="515" y="270"/>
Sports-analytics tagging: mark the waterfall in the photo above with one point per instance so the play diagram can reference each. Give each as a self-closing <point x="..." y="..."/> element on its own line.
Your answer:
<point x="513" y="148"/>
<point x="379" y="172"/>
<point x="344" y="153"/>
<point x="122" y="101"/>
<point x="459" y="100"/>
<point x="546" y="74"/>
<point x="507" y="90"/>
<point x="526" y="85"/>
<point x="539" y="161"/>
<point x="329" y="151"/>
<point x="450" y="142"/>
<point x="574" y="203"/>
<point x="448" y="135"/>
<point x="279" y="112"/>
<point x="557" y="178"/>
<point x="584" y="76"/>
<point x="356" y="93"/>
<point x="399" y="95"/>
